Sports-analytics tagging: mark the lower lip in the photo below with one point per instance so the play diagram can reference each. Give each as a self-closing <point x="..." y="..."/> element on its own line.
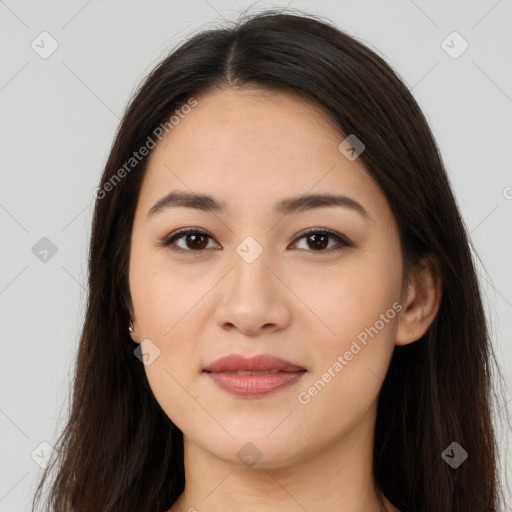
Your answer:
<point x="254" y="385"/>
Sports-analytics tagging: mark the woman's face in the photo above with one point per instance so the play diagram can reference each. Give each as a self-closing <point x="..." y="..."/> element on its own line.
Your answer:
<point x="253" y="283"/>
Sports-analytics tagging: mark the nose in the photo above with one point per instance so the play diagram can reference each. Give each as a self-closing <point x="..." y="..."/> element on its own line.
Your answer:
<point x="254" y="299"/>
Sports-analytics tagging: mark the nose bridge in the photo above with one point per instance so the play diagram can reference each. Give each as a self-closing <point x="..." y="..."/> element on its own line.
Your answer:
<point x="251" y="297"/>
<point x="251" y="262"/>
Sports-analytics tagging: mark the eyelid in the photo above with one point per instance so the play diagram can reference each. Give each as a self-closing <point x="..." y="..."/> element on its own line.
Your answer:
<point x="332" y="233"/>
<point x="168" y="240"/>
<point x="175" y="235"/>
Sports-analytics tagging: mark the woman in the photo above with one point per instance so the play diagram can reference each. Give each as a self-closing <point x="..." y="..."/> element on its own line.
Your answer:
<point x="283" y="310"/>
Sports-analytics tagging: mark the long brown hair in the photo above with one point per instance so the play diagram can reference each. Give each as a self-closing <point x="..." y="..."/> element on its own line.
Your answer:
<point x="119" y="451"/>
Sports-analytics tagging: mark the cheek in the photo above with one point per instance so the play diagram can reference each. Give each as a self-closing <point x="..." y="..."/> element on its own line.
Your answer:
<point x="349" y="367"/>
<point x="163" y="294"/>
<point x="164" y="302"/>
<point x="356" y="319"/>
<point x="169" y="378"/>
<point x="166" y="314"/>
<point x="345" y="299"/>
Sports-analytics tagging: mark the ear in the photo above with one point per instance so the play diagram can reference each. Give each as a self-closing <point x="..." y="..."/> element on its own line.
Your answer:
<point x="421" y="298"/>
<point x="135" y="334"/>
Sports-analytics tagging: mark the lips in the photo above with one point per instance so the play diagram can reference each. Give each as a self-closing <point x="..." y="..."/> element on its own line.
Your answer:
<point x="265" y="363"/>
<point x="253" y="377"/>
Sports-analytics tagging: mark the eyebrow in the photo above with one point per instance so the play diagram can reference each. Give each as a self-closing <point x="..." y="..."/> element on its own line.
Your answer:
<point x="176" y="199"/>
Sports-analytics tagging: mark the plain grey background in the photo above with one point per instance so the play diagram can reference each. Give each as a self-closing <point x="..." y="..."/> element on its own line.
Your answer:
<point x="59" y="113"/>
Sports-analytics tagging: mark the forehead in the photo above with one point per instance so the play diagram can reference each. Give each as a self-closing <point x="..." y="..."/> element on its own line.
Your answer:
<point x="254" y="147"/>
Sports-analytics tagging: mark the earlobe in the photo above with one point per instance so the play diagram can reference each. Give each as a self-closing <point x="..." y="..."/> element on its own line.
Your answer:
<point x="422" y="301"/>
<point x="132" y="331"/>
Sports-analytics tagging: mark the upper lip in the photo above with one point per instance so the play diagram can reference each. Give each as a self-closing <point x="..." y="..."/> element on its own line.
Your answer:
<point x="234" y="362"/>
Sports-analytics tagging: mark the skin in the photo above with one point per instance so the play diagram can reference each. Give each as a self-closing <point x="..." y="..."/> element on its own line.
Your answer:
<point x="252" y="148"/>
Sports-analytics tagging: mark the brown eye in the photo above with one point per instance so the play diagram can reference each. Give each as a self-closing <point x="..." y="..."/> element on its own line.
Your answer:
<point x="317" y="240"/>
<point x="192" y="240"/>
<point x="196" y="241"/>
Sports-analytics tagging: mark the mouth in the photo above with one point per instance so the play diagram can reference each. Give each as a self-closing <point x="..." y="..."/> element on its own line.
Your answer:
<point x="259" y="363"/>
<point x="253" y="377"/>
<point x="248" y="372"/>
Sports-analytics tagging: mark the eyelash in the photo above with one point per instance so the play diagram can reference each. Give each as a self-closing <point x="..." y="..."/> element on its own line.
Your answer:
<point x="343" y="241"/>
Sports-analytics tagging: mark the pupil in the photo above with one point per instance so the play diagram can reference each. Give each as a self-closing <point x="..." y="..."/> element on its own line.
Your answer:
<point x="195" y="239"/>
<point x="320" y="245"/>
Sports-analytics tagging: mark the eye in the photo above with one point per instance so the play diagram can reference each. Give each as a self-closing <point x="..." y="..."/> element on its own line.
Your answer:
<point x="318" y="238"/>
<point x="196" y="240"/>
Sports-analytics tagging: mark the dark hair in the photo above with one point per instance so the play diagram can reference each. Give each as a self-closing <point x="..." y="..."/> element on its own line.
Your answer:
<point x="120" y="451"/>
